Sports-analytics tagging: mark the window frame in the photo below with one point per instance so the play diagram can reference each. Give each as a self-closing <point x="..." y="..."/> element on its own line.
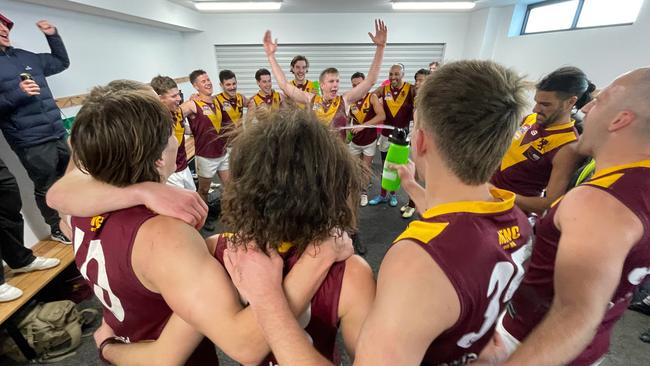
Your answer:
<point x="574" y="25"/>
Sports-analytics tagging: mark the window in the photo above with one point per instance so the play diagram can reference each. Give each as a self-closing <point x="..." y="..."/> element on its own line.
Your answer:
<point x="608" y="12"/>
<point x="551" y="17"/>
<point x="557" y="15"/>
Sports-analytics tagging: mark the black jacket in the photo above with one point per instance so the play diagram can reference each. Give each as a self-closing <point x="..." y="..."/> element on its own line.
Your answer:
<point x="28" y="121"/>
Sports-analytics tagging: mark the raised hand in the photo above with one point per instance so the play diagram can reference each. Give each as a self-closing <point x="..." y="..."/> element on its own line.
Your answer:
<point x="381" y="33"/>
<point x="46" y="27"/>
<point x="270" y="46"/>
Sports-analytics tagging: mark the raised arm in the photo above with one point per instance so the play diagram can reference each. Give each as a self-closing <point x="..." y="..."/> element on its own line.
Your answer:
<point x="565" y="163"/>
<point x="379" y="39"/>
<point x="295" y="94"/>
<point x="597" y="235"/>
<point x="56" y="61"/>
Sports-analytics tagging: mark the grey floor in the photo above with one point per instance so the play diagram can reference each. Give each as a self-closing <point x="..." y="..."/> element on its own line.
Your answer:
<point x="378" y="226"/>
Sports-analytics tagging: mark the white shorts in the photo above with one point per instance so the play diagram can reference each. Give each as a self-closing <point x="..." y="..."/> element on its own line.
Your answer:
<point x="182" y="179"/>
<point x="383" y="143"/>
<point x="368" y="150"/>
<point x="208" y="167"/>
<point x="511" y="343"/>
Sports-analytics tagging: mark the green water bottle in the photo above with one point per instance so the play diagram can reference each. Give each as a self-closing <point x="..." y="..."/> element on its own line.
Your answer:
<point x="317" y="87"/>
<point x="398" y="153"/>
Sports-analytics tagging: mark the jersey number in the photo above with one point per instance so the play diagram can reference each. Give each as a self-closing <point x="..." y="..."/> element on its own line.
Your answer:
<point x="500" y="280"/>
<point x="101" y="287"/>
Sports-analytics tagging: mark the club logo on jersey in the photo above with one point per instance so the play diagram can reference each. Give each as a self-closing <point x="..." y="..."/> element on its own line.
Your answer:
<point x="542" y="144"/>
<point x="508" y="236"/>
<point x="96" y="222"/>
<point x="207" y="110"/>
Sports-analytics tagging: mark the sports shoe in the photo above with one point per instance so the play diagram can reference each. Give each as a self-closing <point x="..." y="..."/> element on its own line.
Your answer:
<point x="9" y="293"/>
<point x="408" y="212"/>
<point x="403" y="208"/>
<point x="377" y="200"/>
<point x="393" y="201"/>
<point x="364" y="200"/>
<point x="39" y="264"/>
<point x="57" y="234"/>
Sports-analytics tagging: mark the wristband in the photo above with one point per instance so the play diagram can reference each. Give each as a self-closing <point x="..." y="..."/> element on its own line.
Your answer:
<point x="106" y="342"/>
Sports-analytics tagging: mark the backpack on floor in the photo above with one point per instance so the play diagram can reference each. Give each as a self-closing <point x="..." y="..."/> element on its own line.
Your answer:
<point x="52" y="329"/>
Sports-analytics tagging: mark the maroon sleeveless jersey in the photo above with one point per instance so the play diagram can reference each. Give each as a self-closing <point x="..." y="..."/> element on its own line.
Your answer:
<point x="232" y="108"/>
<point x="208" y="142"/>
<point x="331" y="113"/>
<point x="179" y="133"/>
<point x="480" y="247"/>
<point x="362" y="112"/>
<point x="322" y="320"/>
<point x="526" y="167"/>
<point x="630" y="184"/>
<point x="398" y="106"/>
<point x="102" y="246"/>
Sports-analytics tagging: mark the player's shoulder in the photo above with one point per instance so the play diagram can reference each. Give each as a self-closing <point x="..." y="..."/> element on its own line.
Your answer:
<point x="166" y="231"/>
<point x="406" y="259"/>
<point x="589" y="203"/>
<point x="357" y="268"/>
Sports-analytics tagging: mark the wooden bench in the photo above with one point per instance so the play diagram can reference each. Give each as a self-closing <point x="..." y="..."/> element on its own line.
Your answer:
<point x="31" y="283"/>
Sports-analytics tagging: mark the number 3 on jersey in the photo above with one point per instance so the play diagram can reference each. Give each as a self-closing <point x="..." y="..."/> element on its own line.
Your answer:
<point x="101" y="285"/>
<point x="500" y="280"/>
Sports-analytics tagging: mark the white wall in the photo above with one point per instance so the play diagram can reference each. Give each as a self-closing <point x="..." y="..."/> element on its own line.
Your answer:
<point x="100" y="50"/>
<point x="448" y="28"/>
<point x="603" y="53"/>
<point x="480" y="33"/>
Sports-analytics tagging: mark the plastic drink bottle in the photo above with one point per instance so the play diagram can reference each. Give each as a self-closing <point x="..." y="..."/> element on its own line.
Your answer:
<point x="398" y="153"/>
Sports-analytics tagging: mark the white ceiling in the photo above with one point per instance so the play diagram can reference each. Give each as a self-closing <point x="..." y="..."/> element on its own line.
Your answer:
<point x="345" y="6"/>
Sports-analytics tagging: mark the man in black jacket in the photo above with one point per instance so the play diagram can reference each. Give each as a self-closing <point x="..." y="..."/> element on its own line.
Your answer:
<point x="12" y="251"/>
<point x="29" y="117"/>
